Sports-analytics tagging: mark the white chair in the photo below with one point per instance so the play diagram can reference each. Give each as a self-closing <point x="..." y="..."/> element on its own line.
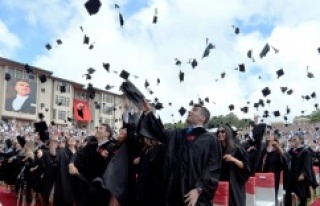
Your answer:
<point x="250" y="191"/>
<point x="265" y="191"/>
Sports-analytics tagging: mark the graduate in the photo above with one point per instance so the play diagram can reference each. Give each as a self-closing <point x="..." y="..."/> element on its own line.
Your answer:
<point x="274" y="160"/>
<point x="300" y="174"/>
<point x="235" y="166"/>
<point x="90" y="163"/>
<point x="193" y="157"/>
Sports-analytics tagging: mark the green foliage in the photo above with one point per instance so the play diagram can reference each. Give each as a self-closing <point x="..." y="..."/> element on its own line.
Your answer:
<point x="314" y="117"/>
<point x="230" y="118"/>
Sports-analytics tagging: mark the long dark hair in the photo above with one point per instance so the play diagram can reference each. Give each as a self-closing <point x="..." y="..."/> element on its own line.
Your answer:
<point x="230" y="145"/>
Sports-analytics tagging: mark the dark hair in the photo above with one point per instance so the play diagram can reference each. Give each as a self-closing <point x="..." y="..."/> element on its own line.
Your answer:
<point x="230" y="145"/>
<point x="204" y="111"/>
<point x="108" y="129"/>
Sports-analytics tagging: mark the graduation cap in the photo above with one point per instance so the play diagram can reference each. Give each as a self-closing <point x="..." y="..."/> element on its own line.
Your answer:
<point x="276" y="113"/>
<point x="21" y="140"/>
<point x="242" y="68"/>
<point x="28" y="68"/>
<point x="256" y="105"/>
<point x="194" y="63"/>
<point x="206" y="99"/>
<point x="307" y="97"/>
<point x="132" y="93"/>
<point x="289" y="92"/>
<point x="170" y="104"/>
<point x="182" y="111"/>
<point x="69" y="119"/>
<point x="158" y="106"/>
<point x="284" y="89"/>
<point x="261" y="102"/>
<point x="264" y="51"/>
<point x="309" y="74"/>
<point x="97" y="105"/>
<point x="41" y="128"/>
<point x="124" y="74"/>
<point x="59" y="103"/>
<point x="249" y="54"/>
<point x="158" y="81"/>
<point x="181" y="76"/>
<point x="88" y="76"/>
<point x="91" y="46"/>
<point x="191" y="103"/>
<point x="275" y="50"/>
<point x="86" y="39"/>
<point x="121" y="20"/>
<point x="7" y="76"/>
<point x="106" y="66"/>
<point x="285" y="118"/>
<point x="91" y="92"/>
<point x="231" y="107"/>
<point x="280" y="73"/>
<point x="93" y="6"/>
<point x="91" y="70"/>
<point x="316" y="105"/>
<point x="155" y="17"/>
<point x="223" y="75"/>
<point x="42" y="78"/>
<point x="40" y="116"/>
<point x="266" y="91"/>
<point x="108" y="87"/>
<point x="59" y="42"/>
<point x="146" y="84"/>
<point x="178" y="62"/>
<point x="288" y="110"/>
<point x="236" y="30"/>
<point x="268" y="101"/>
<point x="313" y="95"/>
<point x="52" y="123"/>
<point x="207" y="50"/>
<point x="245" y="109"/>
<point x="48" y="46"/>
<point x="46" y="109"/>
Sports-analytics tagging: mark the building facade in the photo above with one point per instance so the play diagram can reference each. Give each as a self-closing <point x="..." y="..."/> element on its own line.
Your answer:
<point x="25" y="95"/>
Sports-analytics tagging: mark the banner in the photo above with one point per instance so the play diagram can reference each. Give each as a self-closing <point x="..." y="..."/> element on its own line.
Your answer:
<point x="21" y="96"/>
<point x="81" y="110"/>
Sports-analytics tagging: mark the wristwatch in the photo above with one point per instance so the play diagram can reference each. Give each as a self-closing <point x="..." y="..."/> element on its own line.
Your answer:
<point x="200" y="190"/>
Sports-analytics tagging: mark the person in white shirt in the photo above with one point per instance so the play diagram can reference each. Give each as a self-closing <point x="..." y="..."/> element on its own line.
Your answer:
<point x="23" y="101"/>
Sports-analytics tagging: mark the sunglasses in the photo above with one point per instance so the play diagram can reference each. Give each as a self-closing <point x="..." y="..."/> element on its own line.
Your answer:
<point x="221" y="131"/>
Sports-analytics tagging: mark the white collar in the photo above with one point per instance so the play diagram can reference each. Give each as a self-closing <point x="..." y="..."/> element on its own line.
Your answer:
<point x="103" y="142"/>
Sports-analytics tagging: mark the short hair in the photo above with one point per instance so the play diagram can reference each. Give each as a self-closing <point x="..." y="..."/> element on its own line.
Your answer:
<point x="108" y="129"/>
<point x="204" y="112"/>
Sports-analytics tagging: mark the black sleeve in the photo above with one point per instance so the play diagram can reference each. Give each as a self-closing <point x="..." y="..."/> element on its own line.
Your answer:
<point x="242" y="156"/>
<point x="208" y="181"/>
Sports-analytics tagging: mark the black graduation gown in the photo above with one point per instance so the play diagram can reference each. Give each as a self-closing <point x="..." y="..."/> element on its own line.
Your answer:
<point x="274" y="162"/>
<point x="65" y="183"/>
<point x="191" y="161"/>
<point x="91" y="165"/>
<point x="236" y="177"/>
<point x="150" y="185"/>
<point x="50" y="170"/>
<point x="301" y="163"/>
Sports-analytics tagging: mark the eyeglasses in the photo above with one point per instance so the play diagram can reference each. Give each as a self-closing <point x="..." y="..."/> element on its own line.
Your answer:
<point x="221" y="131"/>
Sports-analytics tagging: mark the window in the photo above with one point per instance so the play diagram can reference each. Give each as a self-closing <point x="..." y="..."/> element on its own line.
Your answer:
<point x="107" y="121"/>
<point x="18" y="74"/>
<point x="107" y="98"/>
<point x="68" y="102"/>
<point x="62" y="115"/>
<point x="12" y="71"/>
<point x="63" y="101"/>
<point x="68" y="88"/>
<point x="58" y="86"/>
<point x="43" y="90"/>
<point x="106" y="110"/>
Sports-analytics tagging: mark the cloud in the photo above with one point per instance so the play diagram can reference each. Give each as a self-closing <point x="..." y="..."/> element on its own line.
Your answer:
<point x="8" y="41"/>
<point x="148" y="50"/>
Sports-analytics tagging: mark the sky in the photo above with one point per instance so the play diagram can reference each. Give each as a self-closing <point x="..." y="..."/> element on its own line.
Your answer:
<point x="149" y="50"/>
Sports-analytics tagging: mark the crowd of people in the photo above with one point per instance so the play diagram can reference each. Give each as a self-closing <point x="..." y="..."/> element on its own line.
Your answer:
<point x="145" y="164"/>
